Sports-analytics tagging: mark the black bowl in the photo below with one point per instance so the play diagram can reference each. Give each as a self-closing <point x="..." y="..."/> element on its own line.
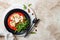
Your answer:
<point x="11" y="12"/>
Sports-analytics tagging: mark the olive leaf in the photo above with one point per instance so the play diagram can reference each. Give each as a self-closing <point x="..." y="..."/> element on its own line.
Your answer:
<point x="32" y="32"/>
<point x="24" y="7"/>
<point x="29" y="5"/>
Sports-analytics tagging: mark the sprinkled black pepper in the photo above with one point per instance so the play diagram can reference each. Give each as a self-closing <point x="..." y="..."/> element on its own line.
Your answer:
<point x="32" y="14"/>
<point x="35" y="26"/>
<point x="35" y="29"/>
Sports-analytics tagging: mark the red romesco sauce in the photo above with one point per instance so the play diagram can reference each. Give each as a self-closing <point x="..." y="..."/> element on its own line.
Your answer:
<point x="9" y="20"/>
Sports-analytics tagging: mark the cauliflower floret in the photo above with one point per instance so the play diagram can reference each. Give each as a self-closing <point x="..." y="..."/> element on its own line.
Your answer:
<point x="21" y="18"/>
<point x="12" y="23"/>
<point x="16" y="18"/>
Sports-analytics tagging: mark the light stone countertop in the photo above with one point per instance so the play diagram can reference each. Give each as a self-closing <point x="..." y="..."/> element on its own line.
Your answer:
<point x="48" y="11"/>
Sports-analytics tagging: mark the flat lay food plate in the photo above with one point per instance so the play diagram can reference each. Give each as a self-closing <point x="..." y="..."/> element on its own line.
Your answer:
<point x="47" y="10"/>
<point x="17" y="19"/>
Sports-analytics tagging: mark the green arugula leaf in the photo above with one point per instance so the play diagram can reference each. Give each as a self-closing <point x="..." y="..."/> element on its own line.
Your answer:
<point x="22" y="26"/>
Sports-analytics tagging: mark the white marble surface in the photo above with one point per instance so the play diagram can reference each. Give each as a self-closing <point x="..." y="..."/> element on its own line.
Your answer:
<point x="49" y="13"/>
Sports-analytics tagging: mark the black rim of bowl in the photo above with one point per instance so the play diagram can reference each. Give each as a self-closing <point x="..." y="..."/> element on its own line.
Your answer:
<point x="6" y="18"/>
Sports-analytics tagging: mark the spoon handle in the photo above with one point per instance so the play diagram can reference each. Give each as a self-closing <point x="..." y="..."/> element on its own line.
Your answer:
<point x="34" y="22"/>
